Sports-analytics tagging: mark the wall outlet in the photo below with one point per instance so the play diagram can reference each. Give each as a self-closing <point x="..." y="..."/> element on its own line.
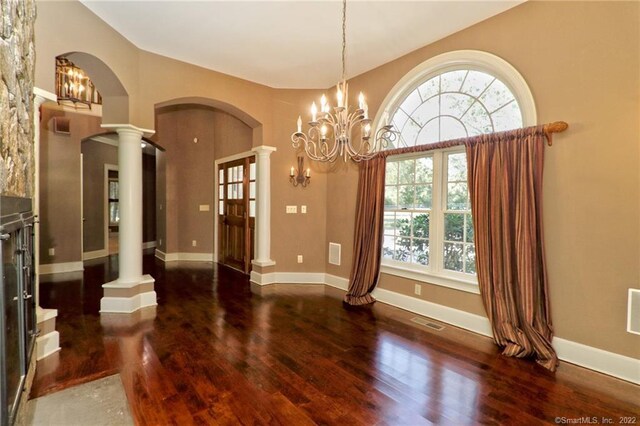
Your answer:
<point x="160" y="206"/>
<point x="303" y="209"/>
<point x="418" y="290"/>
<point x="204" y="207"/>
<point x="160" y="242"/>
<point x="194" y="243"/>
<point x="292" y="209"/>
<point x="299" y="258"/>
<point x="52" y="251"/>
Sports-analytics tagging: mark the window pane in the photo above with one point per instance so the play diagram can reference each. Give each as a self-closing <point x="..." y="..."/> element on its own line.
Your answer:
<point x="455" y="104"/>
<point x="387" y="247"/>
<point x="430" y="88"/>
<point x="230" y="191"/>
<point x="402" y="250"/>
<point x="507" y="118"/>
<point x="113" y="190"/>
<point x="469" y="228"/>
<point x="252" y="208"/>
<point x="240" y="173"/>
<point x="405" y="196"/>
<point x="420" y="249"/>
<point x="114" y="212"/>
<point x="476" y="82"/>
<point x="391" y="197"/>
<point x="391" y="176"/>
<point x="389" y="223"/>
<point x="220" y="176"/>
<point x="252" y="190"/>
<point x="457" y="167"/>
<point x="450" y="128"/>
<point x="453" y="226"/>
<point x="252" y="171"/>
<point x="421" y="225"/>
<point x="239" y="191"/>
<point x="470" y="258"/>
<point x="477" y="120"/>
<point x="403" y="224"/>
<point x="407" y="171"/>
<point x="423" y="196"/>
<point x="457" y="196"/>
<point x="452" y="81"/>
<point x="411" y="102"/>
<point x="221" y="192"/>
<point x="453" y="256"/>
<point x="424" y="170"/>
<point x="496" y="96"/>
<point x="230" y="174"/>
<point x="221" y="207"/>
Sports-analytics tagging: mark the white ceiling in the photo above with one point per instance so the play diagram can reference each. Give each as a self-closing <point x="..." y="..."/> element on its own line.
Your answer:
<point x="289" y="44"/>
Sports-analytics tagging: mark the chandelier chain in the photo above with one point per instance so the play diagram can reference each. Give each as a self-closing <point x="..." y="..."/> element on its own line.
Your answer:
<point x="344" y="37"/>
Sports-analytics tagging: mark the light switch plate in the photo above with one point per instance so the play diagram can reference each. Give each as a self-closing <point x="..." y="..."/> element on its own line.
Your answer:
<point x="292" y="209"/>
<point x="204" y="207"/>
<point x="303" y="209"/>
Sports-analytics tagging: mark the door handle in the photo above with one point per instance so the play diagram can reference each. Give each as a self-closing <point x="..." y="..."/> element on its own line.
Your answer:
<point x="26" y="296"/>
<point x="5" y="237"/>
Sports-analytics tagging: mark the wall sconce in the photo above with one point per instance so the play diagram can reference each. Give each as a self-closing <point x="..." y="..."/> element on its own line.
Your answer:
<point x="300" y="176"/>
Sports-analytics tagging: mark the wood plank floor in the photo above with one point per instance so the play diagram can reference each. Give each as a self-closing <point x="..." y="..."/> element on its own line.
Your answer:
<point x="218" y="351"/>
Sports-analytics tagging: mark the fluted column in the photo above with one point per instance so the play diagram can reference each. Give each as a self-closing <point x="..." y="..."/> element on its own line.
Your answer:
<point x="263" y="206"/>
<point x="132" y="290"/>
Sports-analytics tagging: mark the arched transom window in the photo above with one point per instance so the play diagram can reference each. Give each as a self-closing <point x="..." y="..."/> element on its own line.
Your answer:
<point x="428" y="223"/>
<point x="456" y="104"/>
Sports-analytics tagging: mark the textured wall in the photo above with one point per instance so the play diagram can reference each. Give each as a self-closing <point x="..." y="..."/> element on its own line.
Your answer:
<point x="17" y="65"/>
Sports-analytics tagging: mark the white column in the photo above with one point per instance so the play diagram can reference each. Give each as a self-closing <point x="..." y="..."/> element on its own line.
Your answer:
<point x="46" y="344"/>
<point x="129" y="227"/>
<point x="263" y="206"/>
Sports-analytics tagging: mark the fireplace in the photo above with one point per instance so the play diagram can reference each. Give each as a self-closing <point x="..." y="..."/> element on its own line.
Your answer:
<point x="17" y="305"/>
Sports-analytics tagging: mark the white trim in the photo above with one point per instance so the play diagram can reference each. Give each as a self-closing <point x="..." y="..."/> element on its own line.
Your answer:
<point x="145" y="279"/>
<point x="43" y="315"/>
<point x="128" y="128"/>
<point x="457" y="284"/>
<point x="149" y="244"/>
<point x="216" y="200"/>
<point x="612" y="364"/>
<point x="160" y="255"/>
<point x="88" y="255"/>
<point x="105" y="139"/>
<point x="263" y="263"/>
<point x="47" y="344"/>
<point x="47" y="96"/>
<point x="288" y="278"/>
<point x="630" y="313"/>
<point x="185" y="257"/>
<point x="461" y="59"/>
<point x="127" y="305"/>
<point x="468" y="321"/>
<point x="337" y="282"/>
<point x="58" y="268"/>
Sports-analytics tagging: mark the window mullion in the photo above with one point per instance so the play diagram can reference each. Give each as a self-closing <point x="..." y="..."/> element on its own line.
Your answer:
<point x="436" y="223"/>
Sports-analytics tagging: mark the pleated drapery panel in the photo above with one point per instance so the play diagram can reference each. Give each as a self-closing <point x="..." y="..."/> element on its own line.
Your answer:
<point x="505" y="188"/>
<point x="367" y="251"/>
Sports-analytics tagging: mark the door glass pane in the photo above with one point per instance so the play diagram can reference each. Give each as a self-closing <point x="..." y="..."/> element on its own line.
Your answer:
<point x="114" y="212"/>
<point x="230" y="174"/>
<point x="221" y="207"/>
<point x="230" y="191"/>
<point x="221" y="176"/>
<point x="252" y="208"/>
<point x="239" y="190"/>
<point x="252" y="190"/>
<point x="252" y="171"/>
<point x="113" y="189"/>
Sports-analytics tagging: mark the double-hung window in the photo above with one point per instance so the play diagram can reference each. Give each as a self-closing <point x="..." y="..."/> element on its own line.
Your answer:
<point x="428" y="225"/>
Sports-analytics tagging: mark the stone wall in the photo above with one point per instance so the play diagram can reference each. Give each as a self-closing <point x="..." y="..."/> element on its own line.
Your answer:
<point x="17" y="66"/>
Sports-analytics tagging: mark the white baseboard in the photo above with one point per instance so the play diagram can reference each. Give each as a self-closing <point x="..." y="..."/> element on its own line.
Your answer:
<point x="149" y="244"/>
<point x="612" y="364"/>
<point x="47" y="344"/>
<point x="96" y="254"/>
<point x="185" y="257"/>
<point x="127" y="305"/>
<point x="57" y="268"/>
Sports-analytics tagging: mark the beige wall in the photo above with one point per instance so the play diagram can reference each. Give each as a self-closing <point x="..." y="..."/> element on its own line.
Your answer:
<point x="60" y="175"/>
<point x="581" y="61"/>
<point x="188" y="171"/>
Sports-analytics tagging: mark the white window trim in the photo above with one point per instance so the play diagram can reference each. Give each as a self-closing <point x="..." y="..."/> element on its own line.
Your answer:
<point x="450" y="61"/>
<point x="435" y="272"/>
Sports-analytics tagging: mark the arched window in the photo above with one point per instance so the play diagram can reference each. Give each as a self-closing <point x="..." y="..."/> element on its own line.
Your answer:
<point x="428" y="227"/>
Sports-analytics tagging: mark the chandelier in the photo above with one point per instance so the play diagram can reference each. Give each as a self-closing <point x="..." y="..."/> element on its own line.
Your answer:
<point x="330" y="134"/>
<point x="72" y="85"/>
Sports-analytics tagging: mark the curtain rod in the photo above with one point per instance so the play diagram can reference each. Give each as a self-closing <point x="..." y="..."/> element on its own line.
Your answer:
<point x="555" y="127"/>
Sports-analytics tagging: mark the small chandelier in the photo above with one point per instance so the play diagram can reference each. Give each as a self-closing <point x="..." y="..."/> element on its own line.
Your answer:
<point x="72" y="85"/>
<point x="330" y="133"/>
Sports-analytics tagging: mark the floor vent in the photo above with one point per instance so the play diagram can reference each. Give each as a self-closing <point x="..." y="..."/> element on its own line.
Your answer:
<point x="427" y="323"/>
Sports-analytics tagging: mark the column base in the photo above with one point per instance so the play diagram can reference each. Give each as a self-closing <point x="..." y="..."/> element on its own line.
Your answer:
<point x="125" y="298"/>
<point x="48" y="342"/>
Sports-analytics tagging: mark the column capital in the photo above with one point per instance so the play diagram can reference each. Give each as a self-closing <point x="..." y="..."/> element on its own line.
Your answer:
<point x="41" y="96"/>
<point x="128" y="129"/>
<point x="264" y="150"/>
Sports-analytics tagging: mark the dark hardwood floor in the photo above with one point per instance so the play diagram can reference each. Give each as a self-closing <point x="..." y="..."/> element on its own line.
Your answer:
<point x="218" y="351"/>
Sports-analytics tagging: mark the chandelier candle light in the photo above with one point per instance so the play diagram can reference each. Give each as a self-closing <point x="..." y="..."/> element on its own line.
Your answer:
<point x="330" y="133"/>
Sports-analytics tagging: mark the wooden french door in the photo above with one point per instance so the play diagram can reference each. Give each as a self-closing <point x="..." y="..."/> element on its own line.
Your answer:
<point x="236" y="213"/>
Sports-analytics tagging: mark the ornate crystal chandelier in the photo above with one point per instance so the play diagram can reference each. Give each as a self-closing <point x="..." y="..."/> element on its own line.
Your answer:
<point x="330" y="134"/>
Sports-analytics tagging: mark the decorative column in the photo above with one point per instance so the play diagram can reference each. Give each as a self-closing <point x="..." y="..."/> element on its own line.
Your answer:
<point x="132" y="290"/>
<point x="263" y="206"/>
<point x="48" y="341"/>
